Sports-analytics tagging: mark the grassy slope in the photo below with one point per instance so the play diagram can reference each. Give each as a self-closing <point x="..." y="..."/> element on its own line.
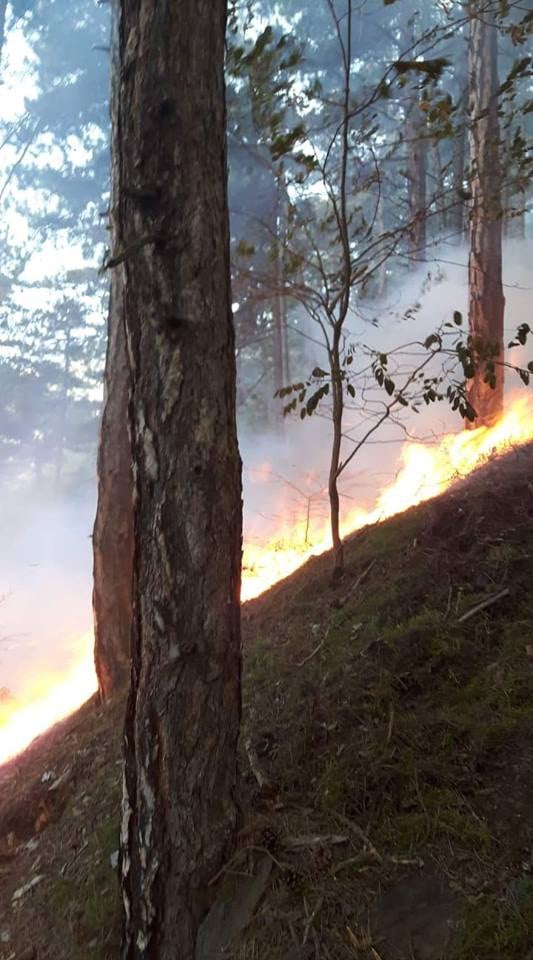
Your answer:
<point x="376" y="717"/>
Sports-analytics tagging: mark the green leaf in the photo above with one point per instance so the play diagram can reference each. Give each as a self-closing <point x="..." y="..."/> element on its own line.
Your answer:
<point x="319" y="372"/>
<point x="350" y="389"/>
<point x="524" y="376"/>
<point x="389" y="386"/>
<point x="457" y="317"/>
<point x="245" y="249"/>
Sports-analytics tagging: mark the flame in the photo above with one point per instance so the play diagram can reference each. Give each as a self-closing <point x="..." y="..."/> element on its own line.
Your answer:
<point x="49" y="698"/>
<point x="425" y="471"/>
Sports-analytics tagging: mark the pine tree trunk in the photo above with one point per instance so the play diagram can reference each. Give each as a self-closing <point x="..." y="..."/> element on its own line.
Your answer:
<point x="486" y="300"/>
<point x="415" y="136"/>
<point x="456" y="216"/>
<point x="416" y="174"/>
<point x="113" y="527"/>
<point x="514" y="197"/>
<point x="182" y="720"/>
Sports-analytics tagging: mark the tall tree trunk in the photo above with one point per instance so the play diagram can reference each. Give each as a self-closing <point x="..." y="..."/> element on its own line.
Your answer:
<point x="456" y="215"/>
<point x="439" y="198"/>
<point x="415" y="136"/>
<point x="278" y="302"/>
<point x="113" y="527"/>
<point x="416" y="175"/>
<point x="486" y="300"/>
<point x="182" y="721"/>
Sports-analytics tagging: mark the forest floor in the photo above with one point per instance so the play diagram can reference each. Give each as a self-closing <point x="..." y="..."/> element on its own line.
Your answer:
<point x="387" y="760"/>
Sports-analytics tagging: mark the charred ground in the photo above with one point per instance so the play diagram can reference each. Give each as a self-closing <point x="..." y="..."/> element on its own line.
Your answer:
<point x="387" y="763"/>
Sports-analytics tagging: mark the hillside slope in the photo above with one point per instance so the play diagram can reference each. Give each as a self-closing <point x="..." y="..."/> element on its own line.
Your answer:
<point x="387" y="759"/>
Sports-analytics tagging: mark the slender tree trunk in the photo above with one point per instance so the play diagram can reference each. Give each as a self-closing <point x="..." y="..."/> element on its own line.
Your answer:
<point x="416" y="176"/>
<point x="333" y="489"/>
<point x="416" y="157"/>
<point x="439" y="198"/>
<point x="486" y="300"/>
<point x="278" y="304"/>
<point x="381" y="277"/>
<point x="182" y="721"/>
<point x="113" y="527"/>
<point x="514" y="198"/>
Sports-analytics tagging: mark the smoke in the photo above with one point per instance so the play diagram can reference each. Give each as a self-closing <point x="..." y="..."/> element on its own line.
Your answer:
<point x="286" y="473"/>
<point x="46" y="551"/>
<point x="45" y="577"/>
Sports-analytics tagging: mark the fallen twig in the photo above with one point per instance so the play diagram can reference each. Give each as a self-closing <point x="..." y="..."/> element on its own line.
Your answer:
<point x="310" y="920"/>
<point x="314" y="840"/>
<point x="362" y="576"/>
<point x="391" y="724"/>
<point x="361" y="860"/>
<point x="483" y="605"/>
<point x="360" y="833"/>
<point x="255" y="766"/>
<point x="315" y="651"/>
<point x="449" y="604"/>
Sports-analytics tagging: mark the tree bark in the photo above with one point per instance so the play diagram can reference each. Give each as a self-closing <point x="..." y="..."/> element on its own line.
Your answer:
<point x="486" y="299"/>
<point x="182" y="720"/>
<point x="457" y="219"/>
<point x="278" y="303"/>
<point x="416" y="176"/>
<point x="416" y="158"/>
<point x="113" y="527"/>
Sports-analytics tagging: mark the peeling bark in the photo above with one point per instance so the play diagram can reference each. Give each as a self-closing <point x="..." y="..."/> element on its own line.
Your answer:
<point x="486" y="299"/>
<point x="113" y="527"/>
<point x="171" y="238"/>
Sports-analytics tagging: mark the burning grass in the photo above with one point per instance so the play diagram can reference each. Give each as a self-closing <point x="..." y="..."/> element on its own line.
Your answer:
<point x="394" y="739"/>
<point x="381" y="709"/>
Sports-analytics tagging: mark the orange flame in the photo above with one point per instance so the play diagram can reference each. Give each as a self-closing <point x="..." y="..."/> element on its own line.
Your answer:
<point x="51" y="697"/>
<point x="425" y="471"/>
